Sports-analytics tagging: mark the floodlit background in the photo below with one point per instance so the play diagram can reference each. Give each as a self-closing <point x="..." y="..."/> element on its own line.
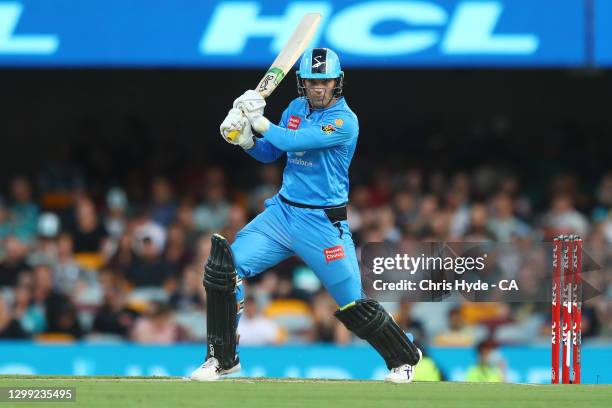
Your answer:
<point x="479" y="121"/>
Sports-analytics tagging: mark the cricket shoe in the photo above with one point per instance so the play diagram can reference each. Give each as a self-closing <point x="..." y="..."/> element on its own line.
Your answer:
<point x="211" y="371"/>
<point x="404" y="373"/>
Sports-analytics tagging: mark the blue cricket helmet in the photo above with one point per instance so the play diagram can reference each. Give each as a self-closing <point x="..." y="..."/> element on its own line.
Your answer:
<point x="320" y="63"/>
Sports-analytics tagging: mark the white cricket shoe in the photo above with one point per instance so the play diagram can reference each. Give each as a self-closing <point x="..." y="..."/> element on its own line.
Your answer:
<point x="211" y="371"/>
<point x="404" y="373"/>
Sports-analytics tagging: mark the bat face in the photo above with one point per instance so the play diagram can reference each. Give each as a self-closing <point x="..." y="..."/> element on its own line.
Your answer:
<point x="289" y="54"/>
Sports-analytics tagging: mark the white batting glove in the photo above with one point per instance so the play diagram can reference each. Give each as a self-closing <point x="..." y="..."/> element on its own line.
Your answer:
<point x="237" y="121"/>
<point x="251" y="101"/>
<point x="252" y="104"/>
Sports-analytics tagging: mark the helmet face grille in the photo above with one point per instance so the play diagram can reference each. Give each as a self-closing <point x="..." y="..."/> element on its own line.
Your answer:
<point x="301" y="89"/>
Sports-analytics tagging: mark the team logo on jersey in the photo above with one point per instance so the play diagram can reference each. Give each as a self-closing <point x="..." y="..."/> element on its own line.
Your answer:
<point x="333" y="253"/>
<point x="294" y="122"/>
<point x="328" y="129"/>
<point x="339" y="122"/>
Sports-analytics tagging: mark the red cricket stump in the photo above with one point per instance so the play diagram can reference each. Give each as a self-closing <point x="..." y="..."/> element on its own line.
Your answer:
<point x="577" y="312"/>
<point x="556" y="308"/>
<point x="568" y="266"/>
<point x="566" y="322"/>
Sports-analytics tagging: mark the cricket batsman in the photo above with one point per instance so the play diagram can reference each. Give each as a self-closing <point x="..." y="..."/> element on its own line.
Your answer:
<point x="307" y="217"/>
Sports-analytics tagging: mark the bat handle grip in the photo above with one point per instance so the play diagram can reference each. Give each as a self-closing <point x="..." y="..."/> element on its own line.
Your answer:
<point x="233" y="135"/>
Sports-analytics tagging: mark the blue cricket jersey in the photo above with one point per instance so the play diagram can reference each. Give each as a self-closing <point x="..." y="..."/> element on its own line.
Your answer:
<point x="319" y="146"/>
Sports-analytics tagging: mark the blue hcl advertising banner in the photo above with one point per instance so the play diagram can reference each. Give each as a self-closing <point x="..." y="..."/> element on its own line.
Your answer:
<point x="603" y="32"/>
<point x="525" y="364"/>
<point x="248" y="33"/>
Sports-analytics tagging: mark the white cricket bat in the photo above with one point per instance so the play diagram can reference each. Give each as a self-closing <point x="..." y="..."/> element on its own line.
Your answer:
<point x="286" y="58"/>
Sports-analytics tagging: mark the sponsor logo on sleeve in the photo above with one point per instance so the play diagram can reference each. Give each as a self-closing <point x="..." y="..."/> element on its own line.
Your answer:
<point x="294" y="122"/>
<point x="333" y="253"/>
<point x="328" y="129"/>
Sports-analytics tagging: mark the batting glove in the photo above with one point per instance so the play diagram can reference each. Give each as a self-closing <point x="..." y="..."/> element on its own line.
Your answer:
<point x="252" y="104"/>
<point x="237" y="121"/>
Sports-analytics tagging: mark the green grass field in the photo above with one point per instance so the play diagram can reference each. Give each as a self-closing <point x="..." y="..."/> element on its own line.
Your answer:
<point x="270" y="393"/>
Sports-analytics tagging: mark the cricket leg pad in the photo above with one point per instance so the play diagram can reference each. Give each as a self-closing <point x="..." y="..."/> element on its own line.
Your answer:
<point x="221" y="307"/>
<point x="371" y="322"/>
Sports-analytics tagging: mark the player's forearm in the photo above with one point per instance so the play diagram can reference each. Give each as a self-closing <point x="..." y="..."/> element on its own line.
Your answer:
<point x="263" y="151"/>
<point x="300" y="140"/>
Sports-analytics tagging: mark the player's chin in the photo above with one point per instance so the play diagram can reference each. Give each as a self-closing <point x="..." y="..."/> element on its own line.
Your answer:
<point x="319" y="103"/>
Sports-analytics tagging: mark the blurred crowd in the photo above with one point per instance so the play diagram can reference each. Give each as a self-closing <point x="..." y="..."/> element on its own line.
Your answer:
<point x="125" y="262"/>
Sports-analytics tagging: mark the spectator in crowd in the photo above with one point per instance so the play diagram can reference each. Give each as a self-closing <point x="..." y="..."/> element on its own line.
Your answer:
<point x="437" y="183"/>
<point x="144" y="227"/>
<point x="326" y="328"/>
<point x="149" y="268"/>
<point x="490" y="366"/>
<point x="44" y="250"/>
<point x="269" y="181"/>
<point x="255" y="329"/>
<point x="24" y="211"/>
<point x="14" y="261"/>
<point x="407" y="323"/>
<point x="211" y="214"/>
<point x="563" y="218"/>
<point x="62" y="317"/>
<point x="88" y="232"/>
<point x="427" y="212"/>
<point x="114" y="316"/>
<point x="176" y="252"/>
<point x="236" y="219"/>
<point x="607" y="227"/>
<point x="190" y="294"/>
<point x="6" y="228"/>
<point x="157" y="326"/>
<point x="68" y="276"/>
<point x="591" y="322"/>
<point x="10" y="327"/>
<point x="413" y="182"/>
<point x="60" y="313"/>
<point x="357" y="206"/>
<point x="387" y="224"/>
<point x="459" y="334"/>
<point x="185" y="220"/>
<point x="115" y="221"/>
<point x="405" y="206"/>
<point x="163" y="209"/>
<point x="504" y="224"/>
<point x="285" y="289"/>
<point x="32" y="318"/>
<point x="603" y="194"/>
<point x="603" y="211"/>
<point x="124" y="254"/>
<point x="457" y="203"/>
<point x="478" y="230"/>
<point x="264" y="288"/>
<point x="202" y="251"/>
<point x="439" y="227"/>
